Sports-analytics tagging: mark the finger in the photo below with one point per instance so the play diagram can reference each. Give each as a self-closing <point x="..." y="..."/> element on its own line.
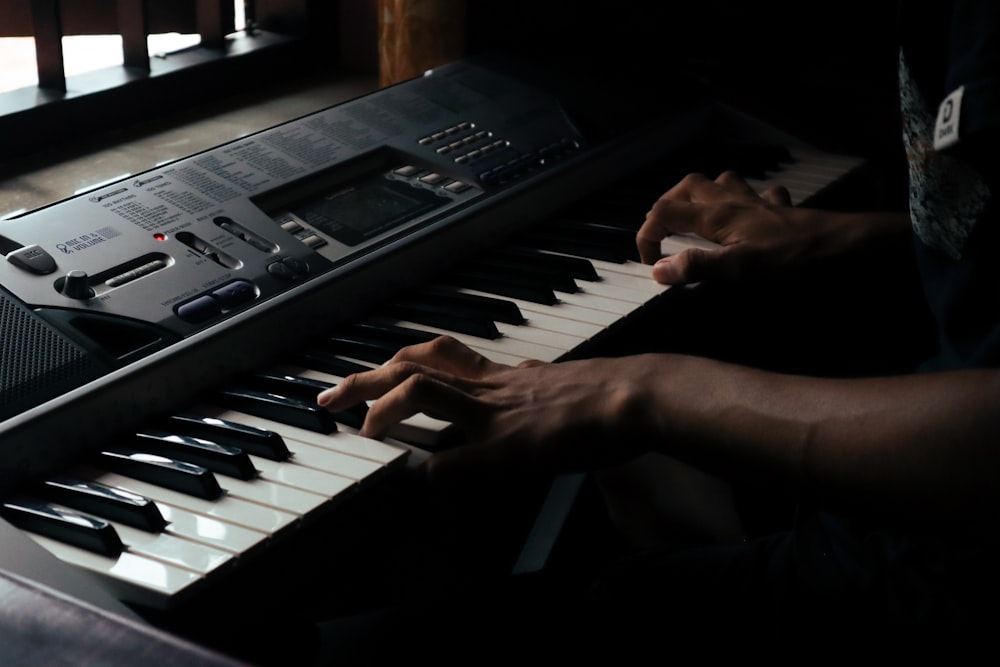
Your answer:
<point x="778" y="195"/>
<point x="449" y="355"/>
<point x="666" y="217"/>
<point x="370" y="385"/>
<point x="694" y="265"/>
<point x="734" y="184"/>
<point x="432" y="395"/>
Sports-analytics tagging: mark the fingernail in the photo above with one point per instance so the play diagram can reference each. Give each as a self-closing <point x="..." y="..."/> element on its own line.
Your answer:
<point x="663" y="270"/>
<point x="325" y="396"/>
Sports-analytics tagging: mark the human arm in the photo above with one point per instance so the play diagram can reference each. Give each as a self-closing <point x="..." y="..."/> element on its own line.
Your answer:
<point x="916" y="444"/>
<point x="758" y="234"/>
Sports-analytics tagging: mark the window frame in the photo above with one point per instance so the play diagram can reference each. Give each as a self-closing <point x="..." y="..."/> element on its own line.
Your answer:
<point x="283" y="40"/>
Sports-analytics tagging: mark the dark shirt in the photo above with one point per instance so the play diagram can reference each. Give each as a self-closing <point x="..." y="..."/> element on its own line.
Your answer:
<point x="950" y="97"/>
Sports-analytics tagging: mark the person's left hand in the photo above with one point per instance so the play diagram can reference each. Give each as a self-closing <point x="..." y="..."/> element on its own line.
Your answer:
<point x="532" y="418"/>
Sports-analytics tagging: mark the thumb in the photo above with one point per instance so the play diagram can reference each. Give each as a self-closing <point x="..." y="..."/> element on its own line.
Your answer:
<point x="691" y="266"/>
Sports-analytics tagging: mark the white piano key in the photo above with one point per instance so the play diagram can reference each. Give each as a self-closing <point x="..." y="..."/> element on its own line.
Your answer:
<point x="300" y="494"/>
<point x="558" y="339"/>
<point x="643" y="272"/>
<point x="307" y="473"/>
<point x="225" y="508"/>
<point x="609" y="290"/>
<point x="130" y="577"/>
<point x="208" y="530"/>
<point x="620" y="308"/>
<point x="173" y="550"/>
<point x="548" y="322"/>
<point x="626" y="278"/>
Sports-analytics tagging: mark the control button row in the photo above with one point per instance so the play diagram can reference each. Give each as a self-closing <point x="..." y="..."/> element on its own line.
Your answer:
<point x="217" y="301"/>
<point x="523" y="164"/>
<point x="431" y="178"/>
<point x="446" y="133"/>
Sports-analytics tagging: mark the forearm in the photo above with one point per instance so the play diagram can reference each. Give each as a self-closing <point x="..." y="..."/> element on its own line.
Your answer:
<point x="920" y="443"/>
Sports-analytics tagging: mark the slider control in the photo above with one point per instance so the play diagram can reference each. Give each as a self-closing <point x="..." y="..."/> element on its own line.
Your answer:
<point x="244" y="234"/>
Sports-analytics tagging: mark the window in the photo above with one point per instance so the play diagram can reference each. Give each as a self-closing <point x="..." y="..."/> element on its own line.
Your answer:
<point x="101" y="65"/>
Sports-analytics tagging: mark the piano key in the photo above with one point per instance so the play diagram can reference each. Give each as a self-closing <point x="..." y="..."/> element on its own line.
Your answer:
<point x="498" y="310"/>
<point x="371" y="343"/>
<point x="577" y="267"/>
<point x="487" y="281"/>
<point x="620" y="308"/>
<point x="418" y="429"/>
<point x="383" y="453"/>
<point x="266" y="444"/>
<point x="173" y="550"/>
<point x="63" y="525"/>
<point x="305" y="390"/>
<point x="166" y="472"/>
<point x="331" y="363"/>
<point x="364" y="459"/>
<point x="225" y="507"/>
<point x="190" y="525"/>
<point x="147" y="538"/>
<point x="557" y="279"/>
<point x="562" y="310"/>
<point x="131" y="577"/>
<point x="544" y="239"/>
<point x="289" y="487"/>
<point x="505" y="344"/>
<point x="104" y="501"/>
<point x="548" y="337"/>
<point x="220" y="459"/>
<point x="279" y="409"/>
<point x="236" y="539"/>
<point x="437" y="316"/>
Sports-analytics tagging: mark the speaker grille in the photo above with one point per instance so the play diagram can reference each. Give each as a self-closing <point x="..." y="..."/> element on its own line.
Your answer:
<point x="38" y="362"/>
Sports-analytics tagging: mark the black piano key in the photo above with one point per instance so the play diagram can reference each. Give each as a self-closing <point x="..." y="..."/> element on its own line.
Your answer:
<point x="278" y="408"/>
<point x="390" y="334"/>
<point x="553" y="277"/>
<point x="372" y="342"/>
<point x="577" y="267"/>
<point x="326" y="361"/>
<point x="63" y="525"/>
<point x="492" y="283"/>
<point x="546" y="239"/>
<point x="498" y="310"/>
<point x="256" y="441"/>
<point x="305" y="390"/>
<point x="441" y="317"/>
<point x="180" y="476"/>
<point x="105" y="501"/>
<point x="221" y="459"/>
<point x="356" y="346"/>
<point x="619" y="239"/>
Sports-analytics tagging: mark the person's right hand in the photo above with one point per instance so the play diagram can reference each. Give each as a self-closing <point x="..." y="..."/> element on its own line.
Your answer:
<point x="757" y="233"/>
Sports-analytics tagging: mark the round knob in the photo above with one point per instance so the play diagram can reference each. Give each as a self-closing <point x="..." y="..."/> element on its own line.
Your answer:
<point x="76" y="285"/>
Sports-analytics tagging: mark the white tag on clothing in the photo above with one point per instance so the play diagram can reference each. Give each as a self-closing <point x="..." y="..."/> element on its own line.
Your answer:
<point x="946" y="128"/>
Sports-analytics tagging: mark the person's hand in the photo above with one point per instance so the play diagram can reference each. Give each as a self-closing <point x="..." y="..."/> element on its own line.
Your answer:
<point x="756" y="233"/>
<point x="533" y="418"/>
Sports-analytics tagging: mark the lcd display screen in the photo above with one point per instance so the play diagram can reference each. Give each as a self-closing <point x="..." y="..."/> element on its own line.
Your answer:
<point x="367" y="208"/>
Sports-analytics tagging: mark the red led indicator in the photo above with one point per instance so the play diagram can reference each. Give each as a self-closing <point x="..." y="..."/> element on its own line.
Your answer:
<point x="160" y="237"/>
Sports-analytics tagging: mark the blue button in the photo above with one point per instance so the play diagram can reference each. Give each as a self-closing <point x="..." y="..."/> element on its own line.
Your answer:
<point x="199" y="310"/>
<point x="235" y="293"/>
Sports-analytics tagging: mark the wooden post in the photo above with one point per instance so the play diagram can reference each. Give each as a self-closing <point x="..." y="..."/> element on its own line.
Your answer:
<point x="47" y="26"/>
<point x="417" y="35"/>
